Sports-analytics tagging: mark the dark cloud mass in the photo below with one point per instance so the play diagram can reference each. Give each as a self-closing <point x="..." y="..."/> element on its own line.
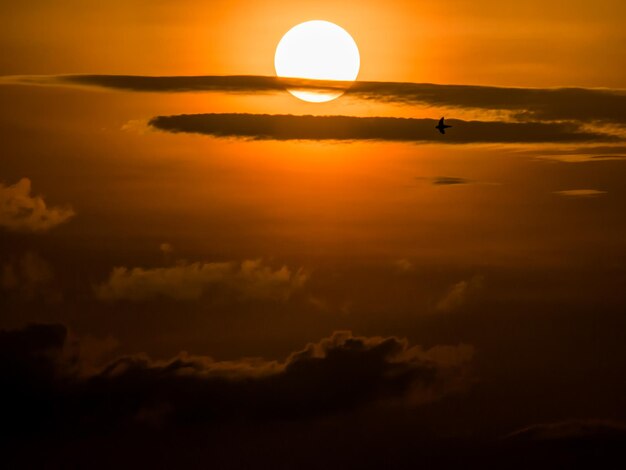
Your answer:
<point x="554" y="104"/>
<point x="46" y="389"/>
<point x="582" y="104"/>
<point x="349" y="128"/>
<point x="449" y="180"/>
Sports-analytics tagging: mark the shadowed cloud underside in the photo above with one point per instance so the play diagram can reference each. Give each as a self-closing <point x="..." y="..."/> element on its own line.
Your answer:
<point x="349" y="128"/>
<point x="583" y="104"/>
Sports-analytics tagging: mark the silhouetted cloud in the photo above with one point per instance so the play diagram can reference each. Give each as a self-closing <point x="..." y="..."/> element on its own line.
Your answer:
<point x="186" y="281"/>
<point x="226" y="83"/>
<point x="581" y="104"/>
<point x="21" y="212"/>
<point x="348" y="128"/>
<point x="45" y="388"/>
<point x="580" y="193"/>
<point x="546" y="104"/>
<point x="449" y="180"/>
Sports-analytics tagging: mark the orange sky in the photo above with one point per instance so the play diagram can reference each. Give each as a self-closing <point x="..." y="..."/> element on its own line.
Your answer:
<point x="204" y="228"/>
<point x="532" y="43"/>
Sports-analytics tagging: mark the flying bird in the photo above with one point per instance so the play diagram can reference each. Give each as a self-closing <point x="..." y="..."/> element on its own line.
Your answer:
<point x="441" y="126"/>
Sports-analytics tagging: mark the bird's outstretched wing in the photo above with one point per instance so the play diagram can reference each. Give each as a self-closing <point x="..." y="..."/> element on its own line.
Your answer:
<point x="442" y="130"/>
<point x="441" y="122"/>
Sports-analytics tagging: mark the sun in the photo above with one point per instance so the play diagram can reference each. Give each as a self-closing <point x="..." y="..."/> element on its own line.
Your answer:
<point x="317" y="50"/>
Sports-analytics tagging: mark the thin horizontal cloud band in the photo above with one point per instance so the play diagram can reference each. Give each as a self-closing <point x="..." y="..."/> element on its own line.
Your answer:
<point x="349" y="128"/>
<point x="585" y="104"/>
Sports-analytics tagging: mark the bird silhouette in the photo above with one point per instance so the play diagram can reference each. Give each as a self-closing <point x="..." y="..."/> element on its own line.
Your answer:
<point x="441" y="126"/>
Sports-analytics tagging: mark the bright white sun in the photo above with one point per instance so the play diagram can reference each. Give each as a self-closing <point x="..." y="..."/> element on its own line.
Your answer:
<point x="317" y="50"/>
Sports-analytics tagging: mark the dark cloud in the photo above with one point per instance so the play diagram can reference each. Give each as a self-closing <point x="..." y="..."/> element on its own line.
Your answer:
<point x="581" y="104"/>
<point x="232" y="83"/>
<point x="449" y="180"/>
<point x="348" y="128"/>
<point x="536" y="103"/>
<point x="45" y="387"/>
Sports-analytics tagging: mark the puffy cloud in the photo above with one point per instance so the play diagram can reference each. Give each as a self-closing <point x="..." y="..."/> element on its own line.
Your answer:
<point x="45" y="386"/>
<point x="21" y="212"/>
<point x="189" y="281"/>
<point x="459" y="293"/>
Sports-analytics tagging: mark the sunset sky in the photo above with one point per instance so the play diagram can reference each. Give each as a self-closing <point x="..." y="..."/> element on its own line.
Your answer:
<point x="198" y="269"/>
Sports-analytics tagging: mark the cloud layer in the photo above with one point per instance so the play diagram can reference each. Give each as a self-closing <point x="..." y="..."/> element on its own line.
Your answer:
<point x="46" y="388"/>
<point x="545" y="104"/>
<point x="349" y="128"/>
<point x="536" y="103"/>
<point x="21" y="212"/>
<point x="189" y="281"/>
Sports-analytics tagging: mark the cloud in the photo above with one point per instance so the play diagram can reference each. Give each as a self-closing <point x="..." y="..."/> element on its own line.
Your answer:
<point x="449" y="180"/>
<point x="545" y="104"/>
<point x="21" y="212"/>
<point x="608" y="157"/>
<point x="552" y="104"/>
<point x="580" y="193"/>
<point x="459" y="293"/>
<point x="186" y="281"/>
<point x="349" y="128"/>
<point x="577" y="154"/>
<point x="45" y="388"/>
<point x="582" y="158"/>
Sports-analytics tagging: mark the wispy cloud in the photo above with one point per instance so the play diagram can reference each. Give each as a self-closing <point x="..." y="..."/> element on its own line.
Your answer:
<point x="349" y="128"/>
<point x="580" y="193"/>
<point x="449" y="180"/>
<point x="545" y="104"/>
